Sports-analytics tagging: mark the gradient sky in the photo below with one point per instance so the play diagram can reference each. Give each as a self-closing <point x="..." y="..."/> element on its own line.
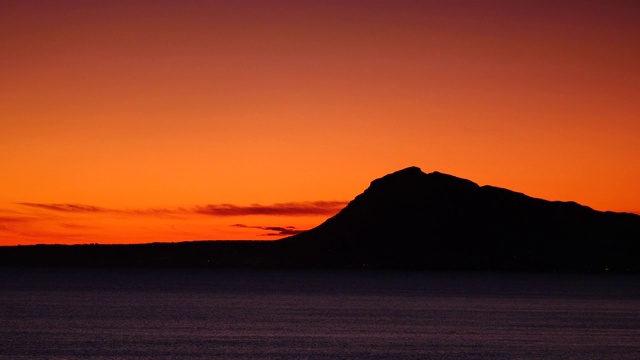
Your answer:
<point x="140" y="121"/>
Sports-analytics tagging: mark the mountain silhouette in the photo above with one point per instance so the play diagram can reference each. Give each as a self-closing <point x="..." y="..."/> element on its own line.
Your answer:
<point x="410" y="219"/>
<point x="404" y="220"/>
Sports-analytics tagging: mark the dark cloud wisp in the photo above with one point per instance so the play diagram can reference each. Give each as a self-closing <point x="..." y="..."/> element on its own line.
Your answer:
<point x="308" y="208"/>
<point x="69" y="208"/>
<point x="273" y="230"/>
<point x="279" y="209"/>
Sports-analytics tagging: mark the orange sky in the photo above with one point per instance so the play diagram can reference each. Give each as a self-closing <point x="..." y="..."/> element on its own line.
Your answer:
<point x="136" y="121"/>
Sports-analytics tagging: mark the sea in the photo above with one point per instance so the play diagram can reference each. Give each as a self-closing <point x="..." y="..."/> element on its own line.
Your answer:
<point x="107" y="314"/>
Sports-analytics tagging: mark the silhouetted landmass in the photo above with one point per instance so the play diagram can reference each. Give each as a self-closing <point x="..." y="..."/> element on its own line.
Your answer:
<point x="181" y="254"/>
<point x="405" y="220"/>
<point x="438" y="221"/>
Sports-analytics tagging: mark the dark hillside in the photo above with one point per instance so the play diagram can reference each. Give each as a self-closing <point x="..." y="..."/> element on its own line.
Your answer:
<point x="437" y="221"/>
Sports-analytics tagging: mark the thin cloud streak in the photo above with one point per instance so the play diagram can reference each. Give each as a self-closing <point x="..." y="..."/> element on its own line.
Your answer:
<point x="279" y="209"/>
<point x="279" y="230"/>
<point x="70" y="208"/>
<point x="15" y="219"/>
<point x="308" y="208"/>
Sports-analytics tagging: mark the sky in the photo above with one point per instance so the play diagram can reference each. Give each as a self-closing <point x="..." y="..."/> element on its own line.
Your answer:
<point x="144" y="121"/>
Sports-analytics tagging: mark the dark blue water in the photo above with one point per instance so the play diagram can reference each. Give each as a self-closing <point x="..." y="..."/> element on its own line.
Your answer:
<point x="204" y="314"/>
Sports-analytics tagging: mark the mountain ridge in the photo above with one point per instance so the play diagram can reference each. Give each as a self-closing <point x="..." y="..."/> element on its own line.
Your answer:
<point x="440" y="221"/>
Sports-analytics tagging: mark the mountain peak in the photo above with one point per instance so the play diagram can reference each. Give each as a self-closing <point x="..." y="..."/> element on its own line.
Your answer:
<point x="438" y="221"/>
<point x="409" y="170"/>
<point x="400" y="175"/>
<point x="404" y="177"/>
<point x="413" y="177"/>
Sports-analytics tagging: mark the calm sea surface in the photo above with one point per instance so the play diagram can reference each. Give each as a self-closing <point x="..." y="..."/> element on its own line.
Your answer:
<point x="209" y="314"/>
